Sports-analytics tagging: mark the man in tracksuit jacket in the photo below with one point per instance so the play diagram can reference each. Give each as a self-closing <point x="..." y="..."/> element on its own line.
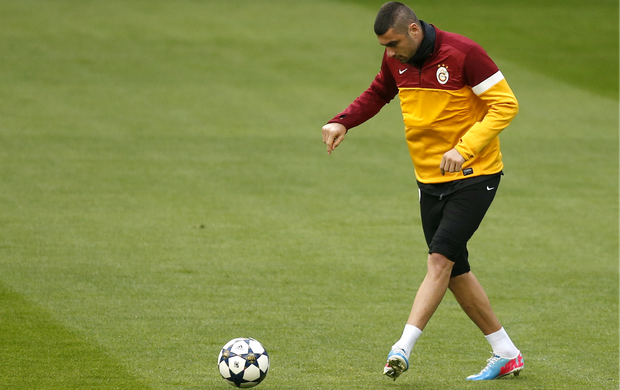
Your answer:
<point x="455" y="102"/>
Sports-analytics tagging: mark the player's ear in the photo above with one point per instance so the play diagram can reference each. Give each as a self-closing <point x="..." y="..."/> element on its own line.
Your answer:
<point x="414" y="30"/>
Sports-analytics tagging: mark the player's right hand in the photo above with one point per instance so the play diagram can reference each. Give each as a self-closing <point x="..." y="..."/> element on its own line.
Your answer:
<point x="333" y="134"/>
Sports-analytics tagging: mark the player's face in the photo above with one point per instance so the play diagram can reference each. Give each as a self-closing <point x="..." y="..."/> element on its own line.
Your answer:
<point x="401" y="47"/>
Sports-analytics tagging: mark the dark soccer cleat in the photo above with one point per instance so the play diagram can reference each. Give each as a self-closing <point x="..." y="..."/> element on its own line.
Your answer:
<point x="396" y="364"/>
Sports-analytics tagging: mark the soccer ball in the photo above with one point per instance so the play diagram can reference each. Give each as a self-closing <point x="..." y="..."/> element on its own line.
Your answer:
<point x="243" y="362"/>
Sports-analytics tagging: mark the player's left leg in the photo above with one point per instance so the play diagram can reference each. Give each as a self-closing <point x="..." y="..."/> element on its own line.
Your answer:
<point x="506" y="359"/>
<point x="474" y="301"/>
<point x="462" y="216"/>
<point x="498" y="367"/>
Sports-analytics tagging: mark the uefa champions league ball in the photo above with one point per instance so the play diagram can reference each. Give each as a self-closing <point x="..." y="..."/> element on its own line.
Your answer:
<point x="243" y="362"/>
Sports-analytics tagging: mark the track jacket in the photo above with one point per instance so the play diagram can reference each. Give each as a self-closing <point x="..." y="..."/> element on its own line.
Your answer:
<point x="452" y="95"/>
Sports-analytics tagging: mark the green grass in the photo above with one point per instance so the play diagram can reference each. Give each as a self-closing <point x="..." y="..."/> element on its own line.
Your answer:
<point x="572" y="41"/>
<point x="165" y="189"/>
<point x="39" y="353"/>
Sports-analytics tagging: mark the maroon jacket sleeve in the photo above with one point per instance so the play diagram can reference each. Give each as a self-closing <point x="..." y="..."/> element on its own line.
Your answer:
<point x="478" y="66"/>
<point x="381" y="91"/>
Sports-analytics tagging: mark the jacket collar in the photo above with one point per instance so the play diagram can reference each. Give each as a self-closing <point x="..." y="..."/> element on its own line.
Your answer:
<point x="427" y="47"/>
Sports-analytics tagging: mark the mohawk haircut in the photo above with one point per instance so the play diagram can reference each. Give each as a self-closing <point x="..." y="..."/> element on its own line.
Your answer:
<point x="394" y="15"/>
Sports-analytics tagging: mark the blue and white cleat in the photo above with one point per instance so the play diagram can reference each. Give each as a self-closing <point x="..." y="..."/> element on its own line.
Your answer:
<point x="498" y="367"/>
<point x="397" y="363"/>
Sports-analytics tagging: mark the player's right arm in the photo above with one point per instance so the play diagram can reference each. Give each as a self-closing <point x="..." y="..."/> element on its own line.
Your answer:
<point x="333" y="134"/>
<point x="381" y="91"/>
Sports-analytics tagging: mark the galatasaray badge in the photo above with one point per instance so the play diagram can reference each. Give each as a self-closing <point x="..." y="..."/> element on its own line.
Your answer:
<point x="442" y="74"/>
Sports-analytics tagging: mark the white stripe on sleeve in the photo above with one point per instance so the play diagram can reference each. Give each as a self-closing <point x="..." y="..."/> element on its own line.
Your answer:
<point x="488" y="83"/>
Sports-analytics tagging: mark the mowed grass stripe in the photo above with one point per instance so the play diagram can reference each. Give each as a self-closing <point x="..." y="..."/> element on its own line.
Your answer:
<point x="39" y="353"/>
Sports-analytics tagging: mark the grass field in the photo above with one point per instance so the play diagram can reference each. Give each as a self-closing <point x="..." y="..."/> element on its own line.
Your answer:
<point x="165" y="189"/>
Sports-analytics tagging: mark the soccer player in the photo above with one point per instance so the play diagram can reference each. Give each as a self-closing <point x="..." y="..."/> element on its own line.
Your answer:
<point x="455" y="101"/>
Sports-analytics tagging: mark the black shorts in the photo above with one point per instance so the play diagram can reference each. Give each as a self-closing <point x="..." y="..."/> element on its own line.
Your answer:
<point x="450" y="221"/>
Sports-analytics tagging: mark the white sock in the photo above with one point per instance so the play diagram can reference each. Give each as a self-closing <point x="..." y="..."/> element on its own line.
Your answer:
<point x="411" y="334"/>
<point x="502" y="345"/>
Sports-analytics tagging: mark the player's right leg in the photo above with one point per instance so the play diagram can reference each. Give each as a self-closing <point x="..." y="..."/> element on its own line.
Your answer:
<point x="397" y="363"/>
<point x="427" y="299"/>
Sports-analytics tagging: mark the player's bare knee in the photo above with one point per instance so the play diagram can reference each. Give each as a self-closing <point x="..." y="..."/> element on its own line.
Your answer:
<point x="439" y="264"/>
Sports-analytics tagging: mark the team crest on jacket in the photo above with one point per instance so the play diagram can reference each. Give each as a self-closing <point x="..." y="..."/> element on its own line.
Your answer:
<point x="442" y="74"/>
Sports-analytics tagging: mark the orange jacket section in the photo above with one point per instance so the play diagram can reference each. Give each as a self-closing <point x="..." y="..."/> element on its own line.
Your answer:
<point x="439" y="120"/>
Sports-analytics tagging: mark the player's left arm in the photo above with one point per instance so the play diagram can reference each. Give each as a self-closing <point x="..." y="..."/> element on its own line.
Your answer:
<point x="502" y="108"/>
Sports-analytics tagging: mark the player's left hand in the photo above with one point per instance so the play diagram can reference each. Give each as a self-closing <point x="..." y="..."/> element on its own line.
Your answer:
<point x="452" y="161"/>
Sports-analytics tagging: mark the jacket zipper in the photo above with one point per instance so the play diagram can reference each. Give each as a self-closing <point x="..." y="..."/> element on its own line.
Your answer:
<point x="420" y="78"/>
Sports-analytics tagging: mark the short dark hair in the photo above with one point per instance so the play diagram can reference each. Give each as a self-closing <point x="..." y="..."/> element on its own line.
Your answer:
<point x="394" y="15"/>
